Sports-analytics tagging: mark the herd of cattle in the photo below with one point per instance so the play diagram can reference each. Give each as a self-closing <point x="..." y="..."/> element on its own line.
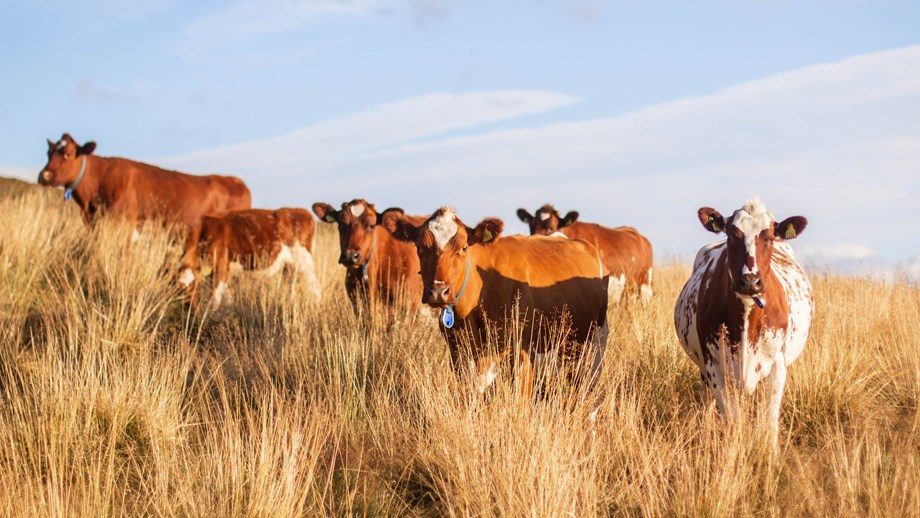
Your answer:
<point x="743" y="315"/>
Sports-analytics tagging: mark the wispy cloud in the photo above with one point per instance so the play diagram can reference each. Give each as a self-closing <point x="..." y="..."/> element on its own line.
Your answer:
<point x="250" y="19"/>
<point x="316" y="149"/>
<point x="88" y="90"/>
<point x="835" y="142"/>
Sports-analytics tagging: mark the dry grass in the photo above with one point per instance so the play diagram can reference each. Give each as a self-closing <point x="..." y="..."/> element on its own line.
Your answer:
<point x="115" y="400"/>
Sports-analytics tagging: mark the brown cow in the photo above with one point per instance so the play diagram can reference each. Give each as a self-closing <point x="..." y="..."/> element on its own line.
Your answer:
<point x="255" y="240"/>
<point x="376" y="264"/>
<point x="745" y="312"/>
<point x="477" y="279"/>
<point x="626" y="252"/>
<point x="135" y="190"/>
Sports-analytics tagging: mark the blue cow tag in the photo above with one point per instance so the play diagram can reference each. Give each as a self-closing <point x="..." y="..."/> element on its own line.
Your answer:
<point x="447" y="317"/>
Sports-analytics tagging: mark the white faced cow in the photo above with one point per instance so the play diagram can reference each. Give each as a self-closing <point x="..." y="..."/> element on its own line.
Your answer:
<point x="745" y="313"/>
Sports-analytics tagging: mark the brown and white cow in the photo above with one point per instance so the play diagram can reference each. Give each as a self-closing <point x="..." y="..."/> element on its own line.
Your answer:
<point x="477" y="279"/>
<point x="625" y="252"/>
<point x="134" y="190"/>
<point x="256" y="240"/>
<point x="745" y="313"/>
<point x="376" y="265"/>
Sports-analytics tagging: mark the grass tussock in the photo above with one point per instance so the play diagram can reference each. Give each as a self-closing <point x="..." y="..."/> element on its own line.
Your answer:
<point x="115" y="399"/>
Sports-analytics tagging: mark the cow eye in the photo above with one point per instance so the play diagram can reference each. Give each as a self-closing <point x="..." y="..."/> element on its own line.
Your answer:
<point x="464" y="248"/>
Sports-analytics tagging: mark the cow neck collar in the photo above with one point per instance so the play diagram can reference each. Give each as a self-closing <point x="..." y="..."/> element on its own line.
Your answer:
<point x="447" y="314"/>
<point x="69" y="190"/>
<point x="363" y="268"/>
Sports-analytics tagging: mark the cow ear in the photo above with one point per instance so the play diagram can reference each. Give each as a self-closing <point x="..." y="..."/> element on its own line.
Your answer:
<point x="711" y="219"/>
<point x="395" y="210"/>
<point x="570" y="218"/>
<point x="50" y="145"/>
<point x="790" y="228"/>
<point x="325" y="212"/>
<point x="86" y="149"/>
<point x="486" y="232"/>
<point x="524" y="216"/>
<point x="399" y="226"/>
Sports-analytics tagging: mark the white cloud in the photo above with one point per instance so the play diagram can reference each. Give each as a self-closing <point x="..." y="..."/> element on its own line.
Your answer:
<point x="837" y="142"/>
<point x="326" y="145"/>
<point x="834" y="252"/>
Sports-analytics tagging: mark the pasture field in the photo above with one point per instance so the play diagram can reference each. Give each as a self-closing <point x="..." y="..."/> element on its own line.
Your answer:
<point x="116" y="400"/>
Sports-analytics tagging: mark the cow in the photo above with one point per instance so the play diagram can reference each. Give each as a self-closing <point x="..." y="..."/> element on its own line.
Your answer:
<point x="745" y="313"/>
<point x="625" y="252"/>
<point x="256" y="240"/>
<point x="479" y="280"/>
<point x="378" y="267"/>
<point x="134" y="190"/>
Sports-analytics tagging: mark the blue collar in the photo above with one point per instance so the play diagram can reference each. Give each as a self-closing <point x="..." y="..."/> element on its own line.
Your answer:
<point x="447" y="314"/>
<point x="69" y="190"/>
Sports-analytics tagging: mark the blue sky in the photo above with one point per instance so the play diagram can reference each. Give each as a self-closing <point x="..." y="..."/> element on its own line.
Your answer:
<point x="630" y="112"/>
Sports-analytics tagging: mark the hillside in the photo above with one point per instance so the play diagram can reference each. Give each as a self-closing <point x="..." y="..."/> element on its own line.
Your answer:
<point x="116" y="400"/>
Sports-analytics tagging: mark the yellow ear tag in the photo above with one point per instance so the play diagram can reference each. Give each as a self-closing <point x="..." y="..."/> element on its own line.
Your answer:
<point x="206" y="271"/>
<point x="715" y="224"/>
<point x="486" y="235"/>
<point x="790" y="232"/>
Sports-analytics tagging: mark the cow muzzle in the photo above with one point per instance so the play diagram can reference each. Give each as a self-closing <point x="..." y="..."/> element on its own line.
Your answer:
<point x="44" y="178"/>
<point x="437" y="295"/>
<point x="350" y="258"/>
<point x="749" y="284"/>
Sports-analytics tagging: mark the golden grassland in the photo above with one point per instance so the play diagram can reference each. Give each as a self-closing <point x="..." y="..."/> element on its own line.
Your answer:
<point x="117" y="400"/>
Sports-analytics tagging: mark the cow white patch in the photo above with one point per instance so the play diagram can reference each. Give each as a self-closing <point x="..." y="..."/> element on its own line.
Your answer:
<point x="218" y="295"/>
<point x="558" y="234"/>
<point x="302" y="260"/>
<point x="357" y="209"/>
<point x="752" y="219"/>
<point x="284" y="257"/>
<point x="615" y="288"/>
<point x="443" y="228"/>
<point x="645" y="290"/>
<point x="544" y="216"/>
<point x="62" y="144"/>
<point x="186" y="277"/>
<point x="485" y="379"/>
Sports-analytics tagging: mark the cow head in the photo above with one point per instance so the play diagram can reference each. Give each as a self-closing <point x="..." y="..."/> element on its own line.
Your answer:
<point x="64" y="157"/>
<point x="546" y="221"/>
<point x="751" y="232"/>
<point x="442" y="243"/>
<point x="356" y="220"/>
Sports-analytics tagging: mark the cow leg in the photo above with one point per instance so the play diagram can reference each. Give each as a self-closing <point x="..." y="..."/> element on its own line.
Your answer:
<point x="705" y="394"/>
<point x="725" y="402"/>
<point x="221" y="276"/>
<point x="525" y="375"/>
<point x="645" y="289"/>
<point x="777" y="387"/>
<point x="485" y="370"/>
<point x="715" y="376"/>
<point x="592" y="363"/>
